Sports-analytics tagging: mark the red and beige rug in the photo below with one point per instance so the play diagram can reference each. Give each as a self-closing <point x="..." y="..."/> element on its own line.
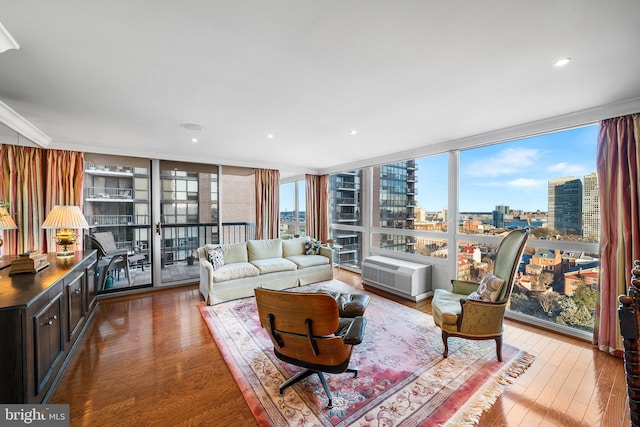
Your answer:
<point x="402" y="380"/>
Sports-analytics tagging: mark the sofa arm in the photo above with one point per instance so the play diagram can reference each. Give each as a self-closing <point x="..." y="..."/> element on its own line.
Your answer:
<point x="206" y="271"/>
<point x="328" y="252"/>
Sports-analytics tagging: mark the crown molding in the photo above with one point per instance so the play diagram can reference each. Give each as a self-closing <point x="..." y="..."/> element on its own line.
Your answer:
<point x="21" y="125"/>
<point x="6" y="40"/>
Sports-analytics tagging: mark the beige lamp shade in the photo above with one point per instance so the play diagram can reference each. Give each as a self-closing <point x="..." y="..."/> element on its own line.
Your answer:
<point x="6" y="222"/>
<point x="69" y="217"/>
<point x="66" y="219"/>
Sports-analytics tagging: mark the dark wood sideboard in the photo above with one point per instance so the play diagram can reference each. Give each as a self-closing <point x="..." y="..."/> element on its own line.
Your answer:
<point x="42" y="316"/>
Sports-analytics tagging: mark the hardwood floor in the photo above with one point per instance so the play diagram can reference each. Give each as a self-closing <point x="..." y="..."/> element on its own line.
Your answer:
<point x="149" y="359"/>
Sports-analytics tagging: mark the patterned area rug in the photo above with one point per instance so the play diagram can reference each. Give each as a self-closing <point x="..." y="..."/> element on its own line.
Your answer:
<point x="402" y="381"/>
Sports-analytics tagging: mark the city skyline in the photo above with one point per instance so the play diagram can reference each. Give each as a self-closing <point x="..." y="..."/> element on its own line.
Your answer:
<point x="513" y="173"/>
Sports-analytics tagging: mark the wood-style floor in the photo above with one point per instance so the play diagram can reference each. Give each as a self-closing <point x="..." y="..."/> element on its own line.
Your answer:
<point x="149" y="359"/>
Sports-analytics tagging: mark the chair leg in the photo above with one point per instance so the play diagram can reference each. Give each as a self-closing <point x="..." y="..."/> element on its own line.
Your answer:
<point x="445" y="337"/>
<point x="499" y="348"/>
<point x="294" y="379"/>
<point x="323" y="380"/>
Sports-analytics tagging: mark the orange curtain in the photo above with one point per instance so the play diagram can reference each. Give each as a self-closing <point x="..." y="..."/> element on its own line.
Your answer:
<point x="64" y="178"/>
<point x="618" y="169"/>
<point x="22" y="188"/>
<point x="33" y="181"/>
<point x="317" y="206"/>
<point x="267" y="203"/>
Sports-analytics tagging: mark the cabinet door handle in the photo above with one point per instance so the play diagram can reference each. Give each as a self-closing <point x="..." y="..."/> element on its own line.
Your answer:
<point x="49" y="321"/>
<point x="77" y="291"/>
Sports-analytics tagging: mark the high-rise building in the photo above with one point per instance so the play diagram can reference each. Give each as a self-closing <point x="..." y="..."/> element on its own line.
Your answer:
<point x="504" y="209"/>
<point x="565" y="205"/>
<point x="346" y="197"/>
<point x="498" y="218"/>
<point x="591" y="209"/>
<point x="394" y="201"/>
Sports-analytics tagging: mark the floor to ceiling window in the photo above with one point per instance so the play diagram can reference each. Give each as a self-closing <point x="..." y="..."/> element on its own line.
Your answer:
<point x="117" y="202"/>
<point x="547" y="183"/>
<point x="346" y="217"/>
<point x="411" y="195"/>
<point x="293" y="220"/>
<point x="189" y="216"/>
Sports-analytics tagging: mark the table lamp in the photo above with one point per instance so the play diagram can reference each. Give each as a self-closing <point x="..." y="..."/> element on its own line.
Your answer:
<point x="65" y="219"/>
<point x="6" y="223"/>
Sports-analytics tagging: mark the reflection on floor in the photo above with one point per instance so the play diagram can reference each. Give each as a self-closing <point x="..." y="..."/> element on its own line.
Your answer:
<point x="176" y="272"/>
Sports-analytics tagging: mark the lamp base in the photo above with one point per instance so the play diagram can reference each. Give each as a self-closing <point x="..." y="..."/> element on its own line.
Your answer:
<point x="65" y="253"/>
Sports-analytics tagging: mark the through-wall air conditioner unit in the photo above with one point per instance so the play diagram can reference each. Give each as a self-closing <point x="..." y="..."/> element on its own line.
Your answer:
<point x="407" y="279"/>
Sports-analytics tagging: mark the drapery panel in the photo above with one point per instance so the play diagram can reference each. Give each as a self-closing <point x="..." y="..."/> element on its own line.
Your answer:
<point x="618" y="170"/>
<point x="33" y="181"/>
<point x="317" y="206"/>
<point x="267" y="203"/>
<point x="23" y="188"/>
<point x="64" y="177"/>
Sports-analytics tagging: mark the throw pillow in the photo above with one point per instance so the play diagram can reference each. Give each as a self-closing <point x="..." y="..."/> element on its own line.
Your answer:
<point x="216" y="257"/>
<point x="489" y="288"/>
<point x="311" y="247"/>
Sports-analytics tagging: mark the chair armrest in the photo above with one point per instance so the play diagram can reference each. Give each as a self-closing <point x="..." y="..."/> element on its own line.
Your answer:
<point x="354" y="332"/>
<point x="464" y="287"/>
<point x="481" y="317"/>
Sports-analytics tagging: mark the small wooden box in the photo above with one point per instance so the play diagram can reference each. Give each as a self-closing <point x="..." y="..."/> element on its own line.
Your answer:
<point x="29" y="262"/>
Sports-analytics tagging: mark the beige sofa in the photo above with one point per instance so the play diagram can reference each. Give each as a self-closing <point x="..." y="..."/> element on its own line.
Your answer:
<point x="271" y="263"/>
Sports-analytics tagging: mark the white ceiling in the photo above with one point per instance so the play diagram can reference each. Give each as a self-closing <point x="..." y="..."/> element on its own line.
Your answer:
<point x="121" y="76"/>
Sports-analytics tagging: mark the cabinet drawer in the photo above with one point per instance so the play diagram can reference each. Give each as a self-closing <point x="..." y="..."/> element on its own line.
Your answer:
<point x="75" y="293"/>
<point x="48" y="343"/>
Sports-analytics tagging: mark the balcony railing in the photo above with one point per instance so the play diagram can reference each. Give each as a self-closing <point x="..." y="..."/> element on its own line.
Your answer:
<point x="99" y="220"/>
<point x="108" y="193"/>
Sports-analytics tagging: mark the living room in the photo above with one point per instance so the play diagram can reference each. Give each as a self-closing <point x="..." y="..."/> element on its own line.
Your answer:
<point x="318" y="133"/>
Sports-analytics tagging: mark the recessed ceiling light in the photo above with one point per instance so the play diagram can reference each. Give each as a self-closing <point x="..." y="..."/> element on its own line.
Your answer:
<point x="190" y="126"/>
<point x="194" y="139"/>
<point x="270" y="136"/>
<point x="353" y="132"/>
<point x="562" y="62"/>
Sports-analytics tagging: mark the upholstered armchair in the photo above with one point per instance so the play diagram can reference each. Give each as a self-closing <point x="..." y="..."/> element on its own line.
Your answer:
<point x="476" y="310"/>
<point x="306" y="331"/>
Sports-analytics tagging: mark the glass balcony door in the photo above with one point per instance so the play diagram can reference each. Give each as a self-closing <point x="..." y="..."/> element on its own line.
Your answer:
<point x="188" y="218"/>
<point x="117" y="208"/>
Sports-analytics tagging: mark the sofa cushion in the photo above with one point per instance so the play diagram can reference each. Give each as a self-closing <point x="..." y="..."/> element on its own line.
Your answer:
<point x="303" y="261"/>
<point x="446" y="306"/>
<point x="489" y="288"/>
<point x="312" y="247"/>
<point x="237" y="270"/>
<point x="264" y="249"/>
<point x="216" y="257"/>
<point x="273" y="265"/>
<point x="293" y="247"/>
<point x="236" y="252"/>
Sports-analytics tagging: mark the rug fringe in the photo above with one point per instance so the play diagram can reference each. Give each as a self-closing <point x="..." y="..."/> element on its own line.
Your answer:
<point x="483" y="400"/>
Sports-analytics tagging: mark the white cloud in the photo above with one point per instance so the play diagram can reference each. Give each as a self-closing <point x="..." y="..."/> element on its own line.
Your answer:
<point x="505" y="162"/>
<point x="567" y="169"/>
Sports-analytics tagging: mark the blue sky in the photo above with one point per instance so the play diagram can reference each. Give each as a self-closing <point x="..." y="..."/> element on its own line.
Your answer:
<point x="514" y="173"/>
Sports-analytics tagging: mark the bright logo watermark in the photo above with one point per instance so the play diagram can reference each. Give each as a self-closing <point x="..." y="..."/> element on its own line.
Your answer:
<point x="36" y="415"/>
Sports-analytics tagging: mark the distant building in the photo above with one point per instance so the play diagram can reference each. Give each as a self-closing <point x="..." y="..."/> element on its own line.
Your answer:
<point x="565" y="205"/>
<point x="573" y="279"/>
<point x="498" y="218"/>
<point x="394" y="202"/>
<point x="550" y="261"/>
<point x="591" y="209"/>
